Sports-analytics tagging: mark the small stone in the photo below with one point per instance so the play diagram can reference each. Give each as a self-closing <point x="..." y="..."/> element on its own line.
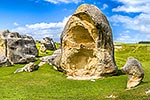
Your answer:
<point x="92" y="80"/>
<point x="147" y="92"/>
<point x="111" y="96"/>
<point x="41" y="63"/>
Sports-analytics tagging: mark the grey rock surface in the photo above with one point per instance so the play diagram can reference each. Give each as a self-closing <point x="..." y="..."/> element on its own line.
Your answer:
<point x="27" y="68"/>
<point x="47" y="44"/>
<point x="17" y="48"/>
<point x="4" y="61"/>
<point x="133" y="68"/>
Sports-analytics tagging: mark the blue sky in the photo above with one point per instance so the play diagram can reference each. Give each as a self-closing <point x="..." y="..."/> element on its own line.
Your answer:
<point x="129" y="19"/>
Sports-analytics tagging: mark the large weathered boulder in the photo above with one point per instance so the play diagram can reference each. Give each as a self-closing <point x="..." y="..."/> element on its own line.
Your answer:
<point x="17" y="48"/>
<point x="47" y="44"/>
<point x="87" y="50"/>
<point x="133" y="68"/>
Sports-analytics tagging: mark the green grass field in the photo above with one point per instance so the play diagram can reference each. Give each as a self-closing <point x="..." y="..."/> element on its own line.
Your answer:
<point x="48" y="84"/>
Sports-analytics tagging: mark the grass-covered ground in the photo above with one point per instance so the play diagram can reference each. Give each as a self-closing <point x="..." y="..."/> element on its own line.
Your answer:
<point x="48" y="84"/>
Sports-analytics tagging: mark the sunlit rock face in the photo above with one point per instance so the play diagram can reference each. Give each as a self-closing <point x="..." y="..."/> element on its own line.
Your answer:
<point x="87" y="50"/>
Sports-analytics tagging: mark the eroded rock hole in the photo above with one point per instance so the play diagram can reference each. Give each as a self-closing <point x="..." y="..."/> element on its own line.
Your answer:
<point x="83" y="59"/>
<point x="81" y="35"/>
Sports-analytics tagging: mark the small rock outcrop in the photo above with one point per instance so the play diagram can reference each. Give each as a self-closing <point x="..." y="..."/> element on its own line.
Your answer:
<point x="147" y="92"/>
<point x="47" y="44"/>
<point x="27" y="68"/>
<point x="4" y="61"/>
<point x="49" y="59"/>
<point x="17" y="48"/>
<point x="87" y="50"/>
<point x="133" y="69"/>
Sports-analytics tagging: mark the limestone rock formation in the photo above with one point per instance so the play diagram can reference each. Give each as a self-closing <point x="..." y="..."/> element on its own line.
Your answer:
<point x="4" y="61"/>
<point x="42" y="48"/>
<point x="47" y="44"/>
<point x="87" y="50"/>
<point x="17" y="48"/>
<point x="3" y="42"/>
<point x="27" y="68"/>
<point x="133" y="69"/>
<point x="51" y="60"/>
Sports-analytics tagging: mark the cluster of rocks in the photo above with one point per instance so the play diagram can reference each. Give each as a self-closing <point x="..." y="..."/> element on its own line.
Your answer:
<point x="47" y="44"/>
<point x="86" y="52"/>
<point x="16" y="48"/>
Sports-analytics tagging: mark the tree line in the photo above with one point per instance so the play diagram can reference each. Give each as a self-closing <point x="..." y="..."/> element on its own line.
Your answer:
<point x="144" y="42"/>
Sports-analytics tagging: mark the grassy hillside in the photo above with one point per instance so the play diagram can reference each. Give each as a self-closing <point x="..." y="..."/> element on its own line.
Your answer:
<point x="48" y="84"/>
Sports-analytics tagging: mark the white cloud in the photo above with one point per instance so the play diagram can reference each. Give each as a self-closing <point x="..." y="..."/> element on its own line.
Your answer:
<point x="104" y="6"/>
<point x="133" y="2"/>
<point x="40" y="30"/>
<point x="133" y="6"/>
<point x="123" y="38"/>
<point x="140" y="23"/>
<point x="63" y="1"/>
<point x="131" y="37"/>
<point x="44" y="25"/>
<point x="15" y="24"/>
<point x="138" y="27"/>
